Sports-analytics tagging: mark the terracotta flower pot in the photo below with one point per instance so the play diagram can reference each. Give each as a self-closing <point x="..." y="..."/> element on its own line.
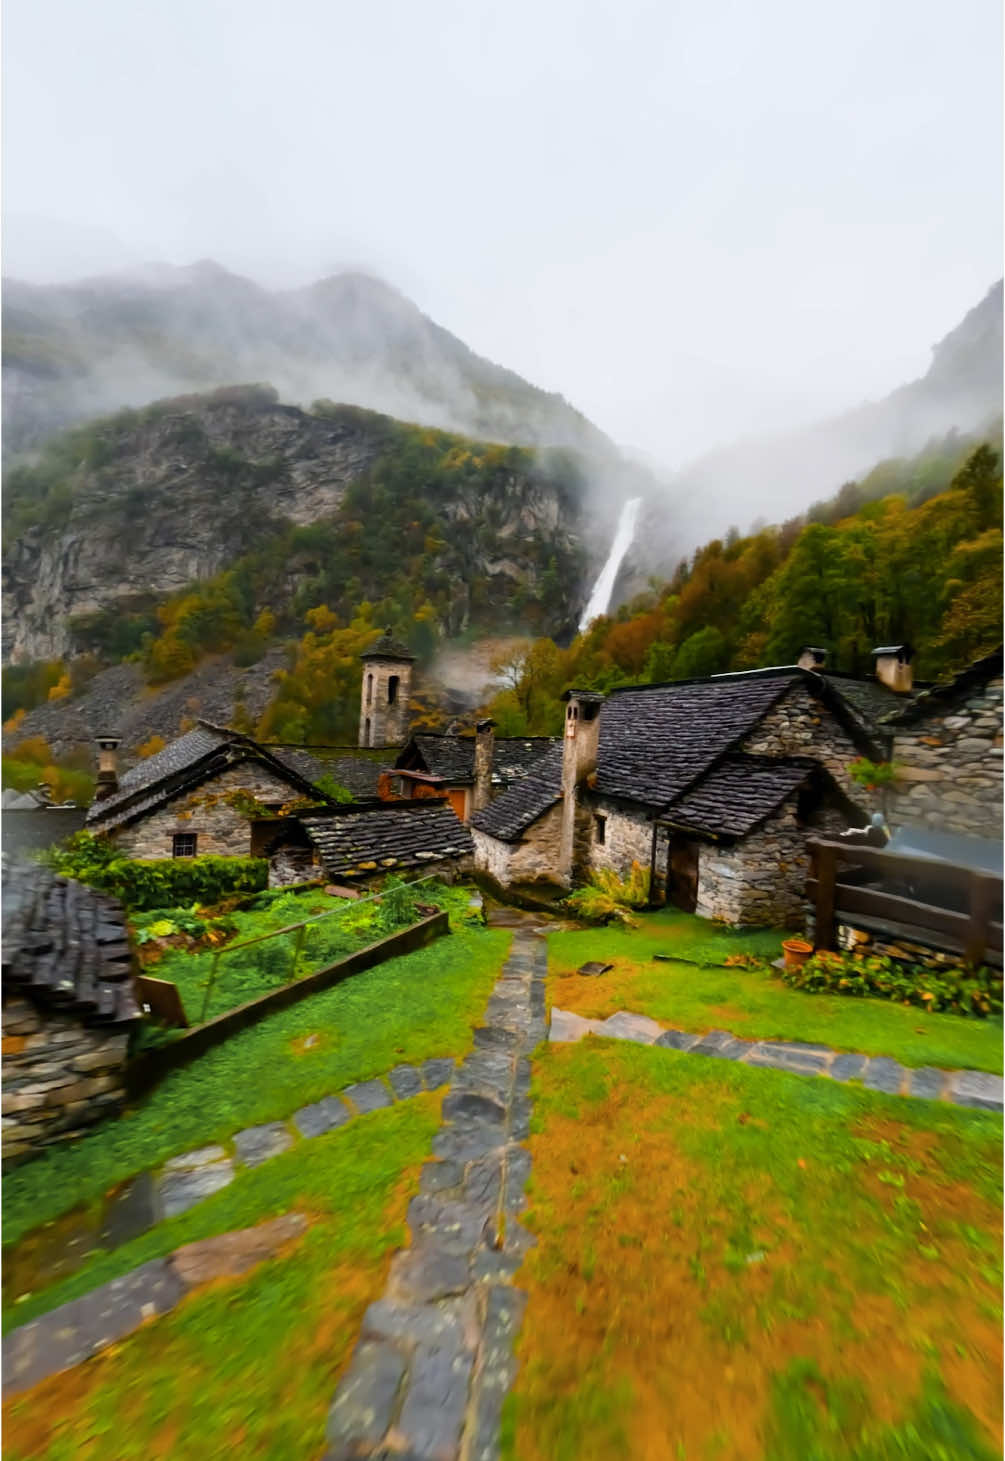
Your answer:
<point x="796" y="951"/>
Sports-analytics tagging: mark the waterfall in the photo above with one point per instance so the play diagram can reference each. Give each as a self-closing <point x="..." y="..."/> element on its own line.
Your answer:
<point x="604" y="586"/>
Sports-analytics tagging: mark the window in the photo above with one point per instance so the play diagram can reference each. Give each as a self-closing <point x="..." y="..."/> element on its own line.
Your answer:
<point x="366" y="731"/>
<point x="369" y="689"/>
<point x="392" y="690"/>
<point x="600" y="828"/>
<point x="183" y="844"/>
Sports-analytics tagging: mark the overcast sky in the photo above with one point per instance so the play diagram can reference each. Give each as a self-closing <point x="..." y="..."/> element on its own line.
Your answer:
<point x="694" y="218"/>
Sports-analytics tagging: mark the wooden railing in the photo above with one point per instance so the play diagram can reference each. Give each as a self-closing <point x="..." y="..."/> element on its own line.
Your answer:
<point x="972" y="929"/>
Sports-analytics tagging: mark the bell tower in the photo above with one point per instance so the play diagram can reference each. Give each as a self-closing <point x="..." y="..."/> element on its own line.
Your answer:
<point x="385" y="692"/>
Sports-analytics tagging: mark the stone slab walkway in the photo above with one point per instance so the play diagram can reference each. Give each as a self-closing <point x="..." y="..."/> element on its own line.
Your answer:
<point x="975" y="1088"/>
<point x="185" y="1180"/>
<point x="434" y="1360"/>
<point x="75" y="1331"/>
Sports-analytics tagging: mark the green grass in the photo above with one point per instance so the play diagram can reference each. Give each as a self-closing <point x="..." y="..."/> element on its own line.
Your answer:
<point x="739" y="1263"/>
<point x="751" y="1003"/>
<point x="407" y="1009"/>
<point x="248" y="1367"/>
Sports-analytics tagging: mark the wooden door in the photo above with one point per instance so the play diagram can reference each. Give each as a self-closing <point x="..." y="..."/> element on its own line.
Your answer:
<point x="682" y="873"/>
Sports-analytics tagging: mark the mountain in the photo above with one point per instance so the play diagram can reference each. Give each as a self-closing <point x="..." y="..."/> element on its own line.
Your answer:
<point x="174" y="529"/>
<point x="775" y="477"/>
<point x="72" y="352"/>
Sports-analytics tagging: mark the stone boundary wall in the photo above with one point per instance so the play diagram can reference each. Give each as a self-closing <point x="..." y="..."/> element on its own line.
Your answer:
<point x="153" y="1065"/>
<point x="950" y="766"/>
<point x="761" y="880"/>
<point x="534" y="859"/>
<point x="222" y="831"/>
<point x="60" y="1076"/>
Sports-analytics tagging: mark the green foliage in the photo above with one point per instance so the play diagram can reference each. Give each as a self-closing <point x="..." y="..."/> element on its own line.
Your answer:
<point x="960" y="991"/>
<point x="333" y="789"/>
<point x="872" y="774"/>
<point x="608" y="898"/>
<point x="155" y="883"/>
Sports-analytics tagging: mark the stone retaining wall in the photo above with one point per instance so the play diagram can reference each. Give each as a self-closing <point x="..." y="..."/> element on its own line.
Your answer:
<point x="60" y="1076"/>
<point x="950" y="766"/>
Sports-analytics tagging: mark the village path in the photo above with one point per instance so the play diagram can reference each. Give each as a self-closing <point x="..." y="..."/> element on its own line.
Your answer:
<point x="434" y="1361"/>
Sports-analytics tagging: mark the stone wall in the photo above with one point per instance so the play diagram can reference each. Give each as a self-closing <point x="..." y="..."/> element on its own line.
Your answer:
<point x="950" y="766"/>
<point x="628" y="837"/>
<point x="383" y="721"/>
<point x="801" y="725"/>
<point x="220" y="829"/>
<point x="534" y="859"/>
<point x="60" y="1076"/>
<point x="762" y="879"/>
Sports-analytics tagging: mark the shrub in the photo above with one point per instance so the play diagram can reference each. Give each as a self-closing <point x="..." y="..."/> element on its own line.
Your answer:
<point x="960" y="991"/>
<point x="155" y="883"/>
<point x="608" y="898"/>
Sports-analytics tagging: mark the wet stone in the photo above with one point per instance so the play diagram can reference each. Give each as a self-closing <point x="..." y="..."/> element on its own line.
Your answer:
<point x="201" y="1158"/>
<point x="256" y="1144"/>
<point x="468" y="1141"/>
<point x="440" y="1176"/>
<point x="799" y="1060"/>
<point x="517" y="1172"/>
<point x="321" y="1116"/>
<point x="927" y="1082"/>
<point x="417" y="1323"/>
<point x="368" y="1096"/>
<point x="456" y="1227"/>
<point x="626" y="1026"/>
<point x="520" y="1114"/>
<point x="181" y="1190"/>
<point x="847" y="1067"/>
<point x="406" y="1080"/>
<point x="425" y="1272"/>
<point x="470" y="1106"/>
<point x="432" y="1413"/>
<point x="364" y="1406"/>
<point x="482" y="1183"/>
<point x="504" y="1312"/>
<point x="130" y="1212"/>
<point x="978" y="1089"/>
<point x="883" y="1074"/>
<point x="437" y="1073"/>
<point x="566" y="1027"/>
<point x="496" y="1037"/>
<point x="677" y="1040"/>
<point x="721" y="1045"/>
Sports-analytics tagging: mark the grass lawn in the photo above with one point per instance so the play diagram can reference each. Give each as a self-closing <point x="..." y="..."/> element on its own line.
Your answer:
<point x="245" y="1366"/>
<point x="750" y="1002"/>
<point x="747" y="1266"/>
<point x="422" y="1004"/>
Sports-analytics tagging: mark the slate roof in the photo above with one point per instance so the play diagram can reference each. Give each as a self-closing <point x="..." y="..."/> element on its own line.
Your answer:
<point x="387" y="647"/>
<point x="453" y="757"/>
<point x="739" y="793"/>
<point x="66" y="946"/>
<point x="869" y="699"/>
<point x="937" y="697"/>
<point x="356" y="768"/>
<point x="200" y="753"/>
<point x="509" y="815"/>
<point x="391" y="836"/>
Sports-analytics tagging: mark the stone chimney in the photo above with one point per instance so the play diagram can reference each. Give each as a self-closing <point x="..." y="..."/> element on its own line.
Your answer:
<point x="811" y="658"/>
<point x="579" y="759"/>
<point x="893" y="667"/>
<point x="108" y="767"/>
<point x="481" y="793"/>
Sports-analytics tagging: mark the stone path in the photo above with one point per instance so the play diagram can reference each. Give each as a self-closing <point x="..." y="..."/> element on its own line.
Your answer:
<point x="187" y="1179"/>
<point x="75" y="1331"/>
<point x="434" y="1360"/>
<point x="976" y="1088"/>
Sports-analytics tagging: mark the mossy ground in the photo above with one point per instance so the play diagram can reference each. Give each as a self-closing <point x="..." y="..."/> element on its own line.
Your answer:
<point x="247" y="1366"/>
<point x="748" y="1265"/>
<point x="752" y="1003"/>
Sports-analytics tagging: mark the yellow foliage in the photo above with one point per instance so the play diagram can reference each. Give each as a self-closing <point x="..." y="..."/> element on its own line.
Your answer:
<point x="151" y="747"/>
<point x="14" y="723"/>
<point x="62" y="687"/>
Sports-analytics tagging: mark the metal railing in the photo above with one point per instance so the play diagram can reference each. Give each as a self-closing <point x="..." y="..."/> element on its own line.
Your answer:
<point x="300" y="929"/>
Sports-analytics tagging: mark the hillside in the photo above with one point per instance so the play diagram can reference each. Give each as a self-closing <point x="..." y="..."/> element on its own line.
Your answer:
<point x="73" y="352"/>
<point x="771" y="478"/>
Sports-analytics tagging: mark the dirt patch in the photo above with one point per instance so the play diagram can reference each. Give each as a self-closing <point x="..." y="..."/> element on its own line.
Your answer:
<point x="596" y="998"/>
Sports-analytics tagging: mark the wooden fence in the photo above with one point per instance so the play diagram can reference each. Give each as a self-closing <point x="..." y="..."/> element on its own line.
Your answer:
<point x="955" y="910"/>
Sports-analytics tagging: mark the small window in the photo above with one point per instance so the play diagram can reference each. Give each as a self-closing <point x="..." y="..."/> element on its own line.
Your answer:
<point x="366" y="731"/>
<point x="369" y="689"/>
<point x="183" y="844"/>
<point x="600" y="828"/>
<point x="392" y="690"/>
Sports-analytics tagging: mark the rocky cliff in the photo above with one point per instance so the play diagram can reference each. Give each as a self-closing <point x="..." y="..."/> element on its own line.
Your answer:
<point x="334" y="506"/>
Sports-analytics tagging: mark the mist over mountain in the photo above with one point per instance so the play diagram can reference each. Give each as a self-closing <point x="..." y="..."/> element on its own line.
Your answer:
<point x="772" y="478"/>
<point x="72" y="352"/>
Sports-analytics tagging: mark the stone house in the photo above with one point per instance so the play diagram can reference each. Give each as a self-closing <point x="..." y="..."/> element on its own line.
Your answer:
<point x="356" y="843"/>
<point x="715" y="785"/>
<point x="385" y="691"/>
<point x="469" y="769"/>
<point x="947" y="747"/>
<point x="68" y="1009"/>
<point x="212" y="791"/>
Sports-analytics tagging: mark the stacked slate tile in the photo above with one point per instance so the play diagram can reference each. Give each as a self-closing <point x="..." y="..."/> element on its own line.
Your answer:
<point x="509" y="815"/>
<point x="66" y="946"/>
<point x="390" y="836"/>
<point x="740" y="793"/>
